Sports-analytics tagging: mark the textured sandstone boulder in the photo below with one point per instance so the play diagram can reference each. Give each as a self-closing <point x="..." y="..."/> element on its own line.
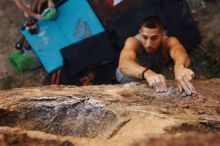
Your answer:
<point x="129" y="114"/>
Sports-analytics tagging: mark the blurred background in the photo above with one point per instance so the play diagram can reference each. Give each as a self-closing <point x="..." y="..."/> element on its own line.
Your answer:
<point x="205" y="58"/>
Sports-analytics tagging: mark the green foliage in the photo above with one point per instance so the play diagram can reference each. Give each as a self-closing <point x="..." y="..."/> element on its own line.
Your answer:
<point x="211" y="67"/>
<point x="194" y="3"/>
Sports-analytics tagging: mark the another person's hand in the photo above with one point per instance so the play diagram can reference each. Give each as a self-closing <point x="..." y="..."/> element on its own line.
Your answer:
<point x="184" y="77"/>
<point x="157" y="81"/>
<point x="38" y="16"/>
<point x="51" y="4"/>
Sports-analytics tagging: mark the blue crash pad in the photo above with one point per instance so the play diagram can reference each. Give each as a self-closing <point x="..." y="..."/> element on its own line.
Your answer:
<point x="76" y="21"/>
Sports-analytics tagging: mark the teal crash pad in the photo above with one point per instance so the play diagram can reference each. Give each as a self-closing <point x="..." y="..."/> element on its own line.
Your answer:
<point x="76" y="21"/>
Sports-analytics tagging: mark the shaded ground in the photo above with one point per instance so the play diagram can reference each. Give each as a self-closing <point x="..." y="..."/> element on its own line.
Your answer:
<point x="205" y="58"/>
<point x="11" y="20"/>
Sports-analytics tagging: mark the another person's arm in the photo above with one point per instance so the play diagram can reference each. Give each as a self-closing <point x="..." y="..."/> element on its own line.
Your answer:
<point x="183" y="74"/>
<point x="129" y="67"/>
<point x="27" y="10"/>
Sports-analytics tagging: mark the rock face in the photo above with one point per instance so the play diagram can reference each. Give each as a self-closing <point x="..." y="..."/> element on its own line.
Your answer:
<point x="64" y="115"/>
<point x="207" y="15"/>
<point x="129" y="114"/>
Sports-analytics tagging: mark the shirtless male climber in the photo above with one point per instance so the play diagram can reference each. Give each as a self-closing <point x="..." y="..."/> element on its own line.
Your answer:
<point x="145" y="54"/>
